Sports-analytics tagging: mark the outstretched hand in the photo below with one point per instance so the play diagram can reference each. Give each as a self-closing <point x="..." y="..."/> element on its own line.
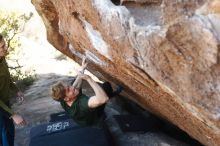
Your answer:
<point x="19" y="120"/>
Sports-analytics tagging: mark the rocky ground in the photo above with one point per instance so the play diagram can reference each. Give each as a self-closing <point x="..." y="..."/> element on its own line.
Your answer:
<point x="38" y="106"/>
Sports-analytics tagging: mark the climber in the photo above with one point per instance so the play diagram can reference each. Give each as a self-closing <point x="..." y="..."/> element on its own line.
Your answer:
<point x="84" y="110"/>
<point x="7" y="90"/>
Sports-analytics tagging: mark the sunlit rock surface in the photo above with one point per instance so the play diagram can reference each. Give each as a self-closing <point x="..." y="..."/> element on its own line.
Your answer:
<point x="166" y="53"/>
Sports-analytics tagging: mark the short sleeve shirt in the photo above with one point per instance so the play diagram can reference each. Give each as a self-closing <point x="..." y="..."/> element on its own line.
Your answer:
<point x="80" y="112"/>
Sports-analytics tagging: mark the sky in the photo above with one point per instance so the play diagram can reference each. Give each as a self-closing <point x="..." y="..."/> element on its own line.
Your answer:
<point x="19" y="5"/>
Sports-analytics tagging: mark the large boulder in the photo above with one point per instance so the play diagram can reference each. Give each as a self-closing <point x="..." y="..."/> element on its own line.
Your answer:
<point x="165" y="53"/>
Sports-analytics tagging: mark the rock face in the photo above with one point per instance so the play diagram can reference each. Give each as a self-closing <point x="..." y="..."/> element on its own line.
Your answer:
<point x="166" y="53"/>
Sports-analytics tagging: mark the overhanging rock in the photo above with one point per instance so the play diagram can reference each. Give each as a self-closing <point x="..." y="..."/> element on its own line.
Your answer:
<point x="166" y="53"/>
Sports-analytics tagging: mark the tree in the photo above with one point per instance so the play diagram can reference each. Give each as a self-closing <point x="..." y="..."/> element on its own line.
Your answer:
<point x="11" y="24"/>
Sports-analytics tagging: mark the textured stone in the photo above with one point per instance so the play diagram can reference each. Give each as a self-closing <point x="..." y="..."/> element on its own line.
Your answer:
<point x="165" y="53"/>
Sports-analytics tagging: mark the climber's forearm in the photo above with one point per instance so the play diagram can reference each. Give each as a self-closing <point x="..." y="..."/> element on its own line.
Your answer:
<point x="78" y="82"/>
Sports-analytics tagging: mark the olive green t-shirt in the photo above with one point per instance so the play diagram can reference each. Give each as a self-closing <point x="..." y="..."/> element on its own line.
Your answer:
<point x="80" y="112"/>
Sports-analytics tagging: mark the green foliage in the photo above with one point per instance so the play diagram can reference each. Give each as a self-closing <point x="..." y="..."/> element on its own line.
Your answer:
<point x="24" y="80"/>
<point x="11" y="24"/>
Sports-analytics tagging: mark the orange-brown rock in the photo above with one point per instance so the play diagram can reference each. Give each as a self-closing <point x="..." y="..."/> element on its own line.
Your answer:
<point x="166" y="53"/>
